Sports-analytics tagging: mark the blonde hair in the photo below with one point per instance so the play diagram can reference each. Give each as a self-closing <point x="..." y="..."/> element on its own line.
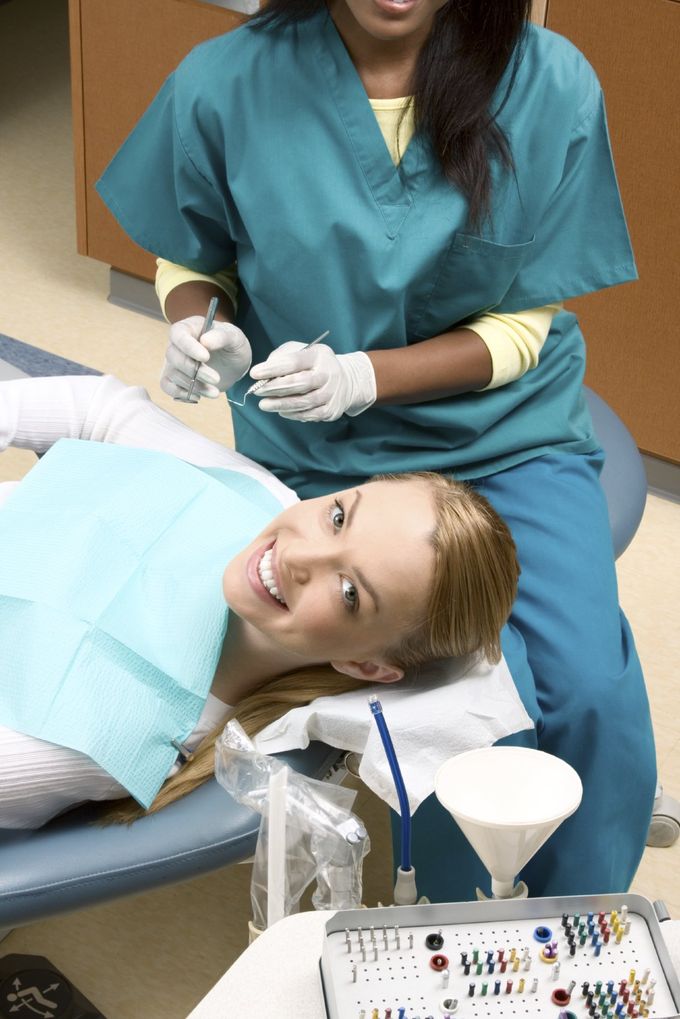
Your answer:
<point x="474" y="586"/>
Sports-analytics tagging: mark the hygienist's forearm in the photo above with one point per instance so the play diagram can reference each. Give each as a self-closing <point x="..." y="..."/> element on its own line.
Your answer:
<point x="193" y="298"/>
<point x="446" y="365"/>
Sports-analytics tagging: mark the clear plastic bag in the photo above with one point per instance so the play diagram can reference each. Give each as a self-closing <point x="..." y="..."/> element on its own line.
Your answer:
<point x="307" y="831"/>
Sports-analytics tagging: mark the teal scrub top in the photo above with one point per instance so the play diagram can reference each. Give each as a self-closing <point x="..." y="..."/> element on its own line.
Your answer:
<point x="263" y="147"/>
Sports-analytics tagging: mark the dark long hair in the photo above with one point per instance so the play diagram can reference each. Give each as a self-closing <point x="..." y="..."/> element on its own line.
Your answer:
<point x="457" y="73"/>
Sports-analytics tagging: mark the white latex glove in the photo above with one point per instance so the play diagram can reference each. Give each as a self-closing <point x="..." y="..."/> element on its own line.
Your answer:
<point x="224" y="352"/>
<point x="312" y="383"/>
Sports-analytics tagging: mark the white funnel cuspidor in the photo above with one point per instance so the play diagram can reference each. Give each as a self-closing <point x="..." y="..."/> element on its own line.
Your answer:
<point x="508" y="801"/>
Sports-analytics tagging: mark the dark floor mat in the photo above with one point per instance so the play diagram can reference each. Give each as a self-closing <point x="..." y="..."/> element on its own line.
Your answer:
<point x="37" y="362"/>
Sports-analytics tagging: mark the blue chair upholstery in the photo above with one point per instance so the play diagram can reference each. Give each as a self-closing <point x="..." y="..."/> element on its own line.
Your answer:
<point x="71" y="863"/>
<point x="623" y="476"/>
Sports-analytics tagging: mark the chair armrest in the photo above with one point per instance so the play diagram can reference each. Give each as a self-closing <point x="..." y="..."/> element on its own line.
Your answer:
<point x="623" y="476"/>
<point x="71" y="863"/>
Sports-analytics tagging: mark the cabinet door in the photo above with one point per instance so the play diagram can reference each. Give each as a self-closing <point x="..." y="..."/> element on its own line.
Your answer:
<point x="121" y="53"/>
<point x="632" y="331"/>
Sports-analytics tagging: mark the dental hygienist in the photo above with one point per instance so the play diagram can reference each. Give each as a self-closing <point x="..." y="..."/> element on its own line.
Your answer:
<point x="428" y="181"/>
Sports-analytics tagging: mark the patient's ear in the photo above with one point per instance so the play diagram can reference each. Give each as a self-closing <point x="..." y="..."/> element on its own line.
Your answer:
<point x="370" y="672"/>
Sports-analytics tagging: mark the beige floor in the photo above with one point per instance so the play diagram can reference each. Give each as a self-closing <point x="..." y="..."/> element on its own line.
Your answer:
<point x="157" y="954"/>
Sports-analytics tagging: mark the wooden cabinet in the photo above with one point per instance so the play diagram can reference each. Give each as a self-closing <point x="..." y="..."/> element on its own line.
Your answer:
<point x="121" y="52"/>
<point x="633" y="331"/>
<point x="123" y="49"/>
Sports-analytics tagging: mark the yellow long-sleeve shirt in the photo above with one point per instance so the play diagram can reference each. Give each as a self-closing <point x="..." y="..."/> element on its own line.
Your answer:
<point x="514" y="341"/>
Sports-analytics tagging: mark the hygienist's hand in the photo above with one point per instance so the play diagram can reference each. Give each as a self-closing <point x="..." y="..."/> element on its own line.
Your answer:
<point x="224" y="352"/>
<point x="314" y="383"/>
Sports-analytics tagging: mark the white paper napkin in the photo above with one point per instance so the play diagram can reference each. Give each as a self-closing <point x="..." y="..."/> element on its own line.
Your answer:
<point x="449" y="707"/>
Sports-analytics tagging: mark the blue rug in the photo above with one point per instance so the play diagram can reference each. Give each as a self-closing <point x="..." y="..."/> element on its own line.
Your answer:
<point x="37" y="362"/>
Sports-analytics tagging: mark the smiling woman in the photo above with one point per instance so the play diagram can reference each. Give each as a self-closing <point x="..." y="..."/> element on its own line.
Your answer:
<point x="436" y="575"/>
<point x="270" y="609"/>
<point x="334" y="579"/>
<point x="333" y="585"/>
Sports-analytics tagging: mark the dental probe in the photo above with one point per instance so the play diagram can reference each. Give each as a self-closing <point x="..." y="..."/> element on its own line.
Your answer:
<point x="256" y="386"/>
<point x="207" y="326"/>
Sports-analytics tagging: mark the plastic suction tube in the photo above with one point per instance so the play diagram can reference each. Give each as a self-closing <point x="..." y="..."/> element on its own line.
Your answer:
<point x="405" y="810"/>
<point x="276" y="847"/>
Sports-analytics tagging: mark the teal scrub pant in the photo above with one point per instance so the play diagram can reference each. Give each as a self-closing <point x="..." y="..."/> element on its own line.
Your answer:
<point x="573" y="659"/>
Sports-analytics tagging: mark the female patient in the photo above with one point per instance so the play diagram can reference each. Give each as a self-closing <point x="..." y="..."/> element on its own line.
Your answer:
<point x="322" y="596"/>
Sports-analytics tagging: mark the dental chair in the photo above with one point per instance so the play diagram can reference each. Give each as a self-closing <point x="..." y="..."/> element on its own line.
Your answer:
<point x="71" y="863"/>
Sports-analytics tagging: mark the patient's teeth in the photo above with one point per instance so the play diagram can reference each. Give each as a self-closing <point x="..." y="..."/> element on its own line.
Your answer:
<point x="267" y="575"/>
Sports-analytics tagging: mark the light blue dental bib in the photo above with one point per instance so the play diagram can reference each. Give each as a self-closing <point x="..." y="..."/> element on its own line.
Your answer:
<point x="112" y="616"/>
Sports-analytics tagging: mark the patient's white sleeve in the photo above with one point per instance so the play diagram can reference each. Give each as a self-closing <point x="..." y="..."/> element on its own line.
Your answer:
<point x="39" y="779"/>
<point x="35" y="413"/>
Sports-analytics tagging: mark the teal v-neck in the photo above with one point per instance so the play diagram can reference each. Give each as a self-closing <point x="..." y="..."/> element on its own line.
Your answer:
<point x="393" y="187"/>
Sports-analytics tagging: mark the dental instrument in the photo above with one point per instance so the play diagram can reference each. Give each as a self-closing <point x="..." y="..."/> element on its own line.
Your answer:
<point x="507" y="801"/>
<point x="207" y="326"/>
<point x="405" y="892"/>
<point x="307" y="832"/>
<point x="256" y="386"/>
<point x="427" y="982"/>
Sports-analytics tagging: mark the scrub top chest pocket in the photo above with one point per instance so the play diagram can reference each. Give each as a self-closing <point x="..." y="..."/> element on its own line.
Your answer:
<point x="473" y="277"/>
